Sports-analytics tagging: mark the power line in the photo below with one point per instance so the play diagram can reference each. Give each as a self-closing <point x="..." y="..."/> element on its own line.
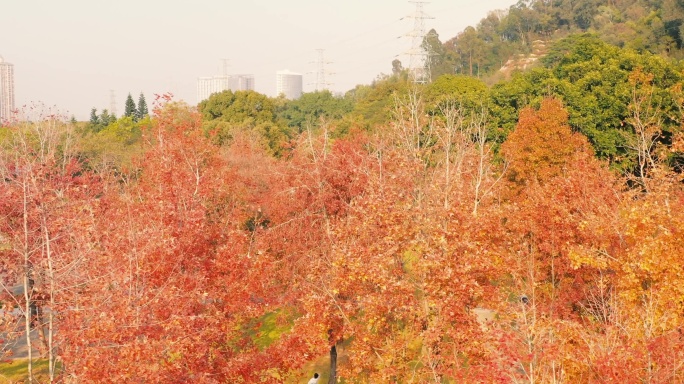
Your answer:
<point x="335" y="44"/>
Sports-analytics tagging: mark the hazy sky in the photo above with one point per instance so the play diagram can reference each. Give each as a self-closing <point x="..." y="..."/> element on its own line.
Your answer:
<point x="71" y="53"/>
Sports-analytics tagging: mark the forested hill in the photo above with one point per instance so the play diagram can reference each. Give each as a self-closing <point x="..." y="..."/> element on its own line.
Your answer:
<point x="654" y="26"/>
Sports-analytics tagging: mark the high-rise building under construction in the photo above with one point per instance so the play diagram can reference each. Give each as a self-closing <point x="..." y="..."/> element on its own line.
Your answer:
<point x="6" y="89"/>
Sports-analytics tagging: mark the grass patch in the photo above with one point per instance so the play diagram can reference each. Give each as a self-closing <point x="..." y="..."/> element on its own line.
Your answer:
<point x="271" y="326"/>
<point x="16" y="371"/>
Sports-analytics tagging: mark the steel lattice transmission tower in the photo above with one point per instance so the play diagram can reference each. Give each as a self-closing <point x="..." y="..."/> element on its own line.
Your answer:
<point x="224" y="69"/>
<point x="112" y="102"/>
<point x="419" y="57"/>
<point x="321" y="71"/>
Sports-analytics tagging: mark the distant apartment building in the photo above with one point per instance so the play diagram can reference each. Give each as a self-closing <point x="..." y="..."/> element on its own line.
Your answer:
<point x="289" y="84"/>
<point x="6" y="89"/>
<point x="241" y="82"/>
<point x="206" y="86"/>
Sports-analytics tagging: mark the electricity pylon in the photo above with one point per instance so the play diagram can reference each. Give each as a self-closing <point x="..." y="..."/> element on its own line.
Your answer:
<point x="419" y="57"/>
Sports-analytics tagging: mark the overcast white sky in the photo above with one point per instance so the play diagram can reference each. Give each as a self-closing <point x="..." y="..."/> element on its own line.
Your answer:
<point x="71" y="53"/>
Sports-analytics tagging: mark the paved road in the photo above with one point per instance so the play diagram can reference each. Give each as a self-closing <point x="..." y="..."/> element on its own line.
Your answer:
<point x="13" y="345"/>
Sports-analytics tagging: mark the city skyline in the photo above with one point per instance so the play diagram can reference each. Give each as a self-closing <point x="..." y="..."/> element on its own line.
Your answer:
<point x="72" y="53"/>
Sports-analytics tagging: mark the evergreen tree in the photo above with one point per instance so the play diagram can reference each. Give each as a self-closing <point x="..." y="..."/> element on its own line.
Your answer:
<point x="106" y="118"/>
<point x="130" y="110"/>
<point x="94" y="119"/>
<point x="142" y="107"/>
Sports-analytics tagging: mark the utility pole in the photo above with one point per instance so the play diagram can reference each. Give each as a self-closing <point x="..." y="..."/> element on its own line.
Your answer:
<point x="419" y="57"/>
<point x="224" y="79"/>
<point x="224" y="69"/>
<point x="112" y="102"/>
<point x="321" y="71"/>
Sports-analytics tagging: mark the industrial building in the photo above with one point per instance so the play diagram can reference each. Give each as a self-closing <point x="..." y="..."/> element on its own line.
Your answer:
<point x="289" y="84"/>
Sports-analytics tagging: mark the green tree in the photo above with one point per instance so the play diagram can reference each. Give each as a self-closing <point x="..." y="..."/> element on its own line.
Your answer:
<point x="592" y="79"/>
<point x="439" y="62"/>
<point x="98" y="121"/>
<point x="373" y="104"/>
<point x="397" y="67"/>
<point x="245" y="113"/>
<point x="237" y="107"/>
<point x="313" y="106"/>
<point x="468" y="92"/>
<point x="470" y="49"/>
<point x="142" y="107"/>
<point x="130" y="110"/>
<point x="106" y="118"/>
<point x="113" y="146"/>
<point x="94" y="118"/>
<point x="584" y="12"/>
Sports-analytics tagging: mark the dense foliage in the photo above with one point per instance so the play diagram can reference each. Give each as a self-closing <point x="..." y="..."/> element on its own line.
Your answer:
<point x="417" y="250"/>
<point x="654" y="26"/>
<point x="527" y="231"/>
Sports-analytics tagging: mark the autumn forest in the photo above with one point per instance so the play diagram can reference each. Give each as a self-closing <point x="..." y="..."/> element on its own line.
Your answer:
<point x="500" y="227"/>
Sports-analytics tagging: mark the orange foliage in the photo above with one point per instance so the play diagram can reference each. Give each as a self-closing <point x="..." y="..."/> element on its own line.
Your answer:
<point x="543" y="145"/>
<point x="412" y="258"/>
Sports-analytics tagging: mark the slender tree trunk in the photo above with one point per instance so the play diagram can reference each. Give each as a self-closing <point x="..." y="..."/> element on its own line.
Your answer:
<point x="27" y="323"/>
<point x="332" y="379"/>
<point x="51" y="277"/>
<point x="38" y="324"/>
<point x="28" y="286"/>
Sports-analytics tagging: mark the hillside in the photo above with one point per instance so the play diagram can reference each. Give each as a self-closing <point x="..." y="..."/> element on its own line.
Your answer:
<point x="644" y="26"/>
